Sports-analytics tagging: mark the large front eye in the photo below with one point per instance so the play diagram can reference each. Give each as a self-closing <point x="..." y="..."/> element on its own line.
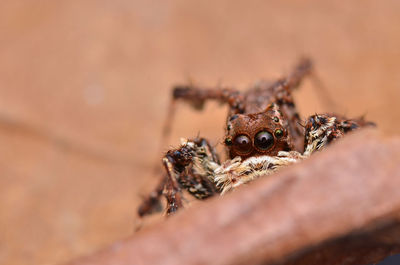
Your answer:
<point x="263" y="140"/>
<point x="243" y="144"/>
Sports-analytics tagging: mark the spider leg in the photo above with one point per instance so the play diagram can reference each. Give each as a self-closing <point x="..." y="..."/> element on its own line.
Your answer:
<point x="151" y="203"/>
<point x="188" y="167"/>
<point x="284" y="98"/>
<point x="302" y="69"/>
<point x="322" y="129"/>
<point x="198" y="185"/>
<point x="172" y="191"/>
<point x="234" y="173"/>
<point x="197" y="96"/>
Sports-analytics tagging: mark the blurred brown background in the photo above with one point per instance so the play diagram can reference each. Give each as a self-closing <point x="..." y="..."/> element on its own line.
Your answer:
<point x="84" y="88"/>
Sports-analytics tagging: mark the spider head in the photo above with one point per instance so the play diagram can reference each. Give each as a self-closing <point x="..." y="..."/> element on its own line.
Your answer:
<point x="263" y="133"/>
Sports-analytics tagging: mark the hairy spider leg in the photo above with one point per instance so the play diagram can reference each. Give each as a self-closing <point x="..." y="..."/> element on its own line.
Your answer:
<point x="322" y="129"/>
<point x="188" y="167"/>
<point x="283" y="97"/>
<point x="172" y="191"/>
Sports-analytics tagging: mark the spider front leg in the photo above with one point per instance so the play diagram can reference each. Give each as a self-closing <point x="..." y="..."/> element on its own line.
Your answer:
<point x="188" y="167"/>
<point x="172" y="191"/>
<point x="322" y="129"/>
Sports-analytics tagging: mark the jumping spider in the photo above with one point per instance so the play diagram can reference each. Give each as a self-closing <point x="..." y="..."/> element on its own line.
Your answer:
<point x="264" y="132"/>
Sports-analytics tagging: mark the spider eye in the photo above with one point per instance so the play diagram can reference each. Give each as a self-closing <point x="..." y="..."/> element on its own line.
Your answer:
<point x="243" y="144"/>
<point x="228" y="141"/>
<point x="278" y="133"/>
<point x="263" y="140"/>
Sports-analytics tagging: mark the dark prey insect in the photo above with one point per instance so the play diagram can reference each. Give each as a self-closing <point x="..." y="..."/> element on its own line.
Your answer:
<point x="264" y="132"/>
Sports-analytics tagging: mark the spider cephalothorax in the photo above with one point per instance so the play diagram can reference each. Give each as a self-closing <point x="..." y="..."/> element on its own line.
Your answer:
<point x="256" y="134"/>
<point x="264" y="133"/>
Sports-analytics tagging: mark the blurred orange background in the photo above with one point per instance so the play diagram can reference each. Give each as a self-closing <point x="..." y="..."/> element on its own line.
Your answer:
<point x="84" y="88"/>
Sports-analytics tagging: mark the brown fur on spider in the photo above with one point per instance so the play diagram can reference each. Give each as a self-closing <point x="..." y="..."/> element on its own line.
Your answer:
<point x="264" y="133"/>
